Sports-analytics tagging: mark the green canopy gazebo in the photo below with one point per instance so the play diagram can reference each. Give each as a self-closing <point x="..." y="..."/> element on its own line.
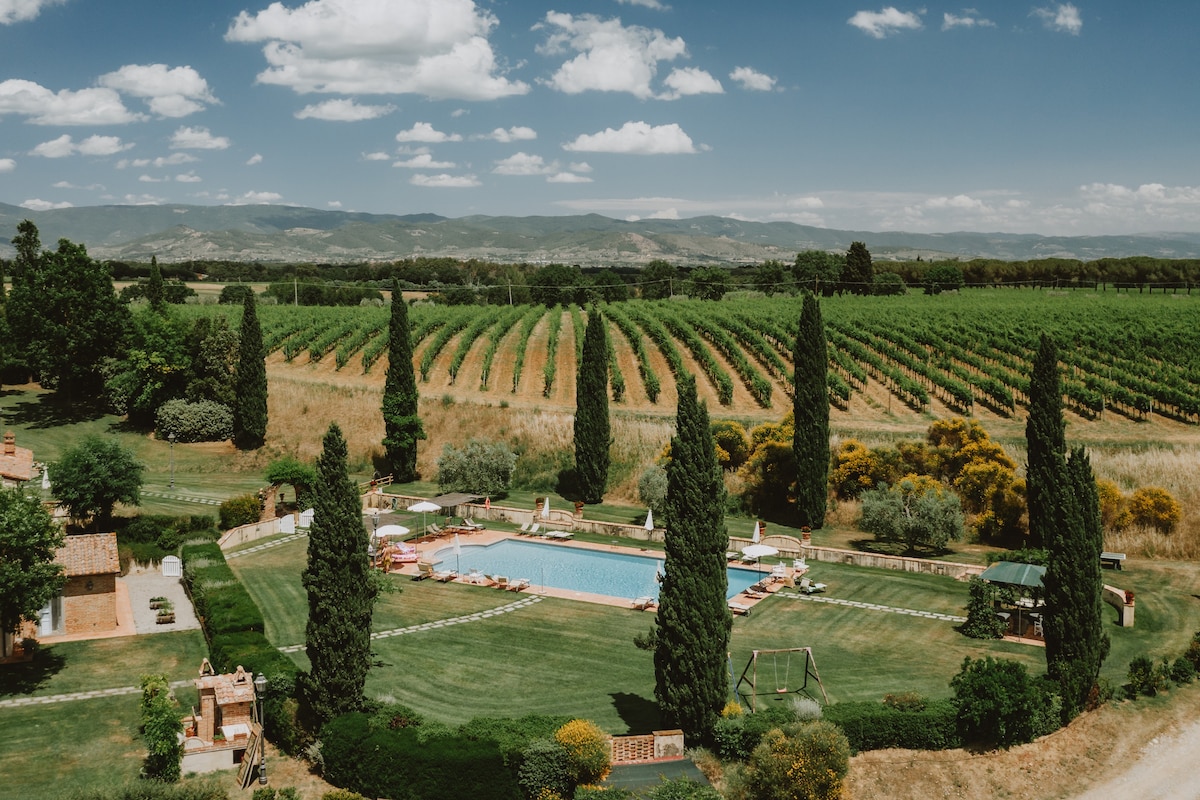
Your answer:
<point x="1022" y="576"/>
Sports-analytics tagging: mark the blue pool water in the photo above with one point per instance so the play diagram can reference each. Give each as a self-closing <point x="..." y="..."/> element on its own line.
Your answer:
<point x="573" y="568"/>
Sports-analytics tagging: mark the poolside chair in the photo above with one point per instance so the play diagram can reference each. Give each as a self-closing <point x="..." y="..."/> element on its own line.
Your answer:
<point x="501" y="581"/>
<point x="779" y="572"/>
<point x="808" y="587"/>
<point x="535" y="528"/>
<point x="472" y="524"/>
<point x="424" y="570"/>
<point x="433" y="529"/>
<point x="445" y="575"/>
<point x="752" y="594"/>
<point x="561" y="536"/>
<point x="524" y="528"/>
<point x="739" y="608"/>
<point x="518" y="584"/>
<point x="644" y="603"/>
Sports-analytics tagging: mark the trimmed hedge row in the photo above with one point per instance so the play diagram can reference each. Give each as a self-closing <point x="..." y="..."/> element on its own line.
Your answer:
<point x="396" y="763"/>
<point x="875" y="726"/>
<point x="233" y="626"/>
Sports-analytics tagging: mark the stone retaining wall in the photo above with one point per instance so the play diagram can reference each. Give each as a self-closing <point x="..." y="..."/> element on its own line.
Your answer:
<point x="928" y="566"/>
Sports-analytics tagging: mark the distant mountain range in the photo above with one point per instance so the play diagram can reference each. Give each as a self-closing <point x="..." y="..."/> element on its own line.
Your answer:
<point x="269" y="233"/>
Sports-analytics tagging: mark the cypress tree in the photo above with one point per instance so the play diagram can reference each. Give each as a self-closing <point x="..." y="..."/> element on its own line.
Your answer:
<point x="859" y="275"/>
<point x="1045" y="435"/>
<point x="693" y="617"/>
<point x="810" y="440"/>
<point x="341" y="594"/>
<point x="250" y="382"/>
<point x="592" y="431"/>
<point x="1076" y="644"/>
<point x="402" y="427"/>
<point x="154" y="287"/>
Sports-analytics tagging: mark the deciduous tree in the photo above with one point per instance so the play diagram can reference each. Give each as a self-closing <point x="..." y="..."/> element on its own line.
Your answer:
<point x="593" y="433"/>
<point x="29" y="578"/>
<point x="250" y="393"/>
<point x="693" y="618"/>
<point x="811" y="413"/>
<point x="341" y="595"/>
<point x="859" y="275"/>
<point x="95" y="475"/>
<point x="402" y="427"/>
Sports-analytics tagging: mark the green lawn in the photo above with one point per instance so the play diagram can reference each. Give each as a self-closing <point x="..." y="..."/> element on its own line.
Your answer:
<point x="566" y="657"/>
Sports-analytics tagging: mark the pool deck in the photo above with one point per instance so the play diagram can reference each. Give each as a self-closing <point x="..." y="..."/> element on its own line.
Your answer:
<point x="426" y="551"/>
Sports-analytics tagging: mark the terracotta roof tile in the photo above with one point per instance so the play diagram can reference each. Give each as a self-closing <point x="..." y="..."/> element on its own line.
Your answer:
<point x="89" y="554"/>
<point x="16" y="463"/>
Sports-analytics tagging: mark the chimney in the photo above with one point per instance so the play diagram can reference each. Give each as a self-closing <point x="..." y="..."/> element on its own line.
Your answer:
<point x="10" y="444"/>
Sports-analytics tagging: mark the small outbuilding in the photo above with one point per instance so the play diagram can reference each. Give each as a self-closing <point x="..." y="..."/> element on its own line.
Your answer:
<point x="88" y="603"/>
<point x="16" y="463"/>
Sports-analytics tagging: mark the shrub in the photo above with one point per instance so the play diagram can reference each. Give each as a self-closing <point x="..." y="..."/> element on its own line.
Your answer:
<point x="603" y="793"/>
<point x="997" y="702"/>
<point x="982" y="622"/>
<point x="161" y="725"/>
<point x="198" y="421"/>
<point x="512" y="736"/>
<point x="545" y="765"/>
<point x="244" y="509"/>
<point x="342" y="794"/>
<point x="731" y="740"/>
<point x="1183" y="671"/>
<point x="1192" y="653"/>
<point x="235" y="294"/>
<point x="1155" y="508"/>
<point x="905" y="701"/>
<point x="587" y="750"/>
<point x="929" y="725"/>
<point x="681" y="789"/>
<point x="805" y="709"/>
<point x="809" y="764"/>
<point x="479" y="466"/>
<point x="1141" y="677"/>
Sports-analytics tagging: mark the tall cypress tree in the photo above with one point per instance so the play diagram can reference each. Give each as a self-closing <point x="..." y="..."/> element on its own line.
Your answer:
<point x="402" y="427"/>
<point x="155" y="292"/>
<point x="693" y="617"/>
<point x="811" y="410"/>
<point x="592" y="430"/>
<point x="1045" y="435"/>
<point x="250" y="382"/>
<point x="341" y="594"/>
<point x="1076" y="644"/>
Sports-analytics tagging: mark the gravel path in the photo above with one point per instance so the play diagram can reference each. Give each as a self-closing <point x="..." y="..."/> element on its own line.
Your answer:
<point x="151" y="583"/>
<point x="1165" y="770"/>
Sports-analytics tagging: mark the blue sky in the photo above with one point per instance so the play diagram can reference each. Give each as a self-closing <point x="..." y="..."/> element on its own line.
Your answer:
<point x="1053" y="118"/>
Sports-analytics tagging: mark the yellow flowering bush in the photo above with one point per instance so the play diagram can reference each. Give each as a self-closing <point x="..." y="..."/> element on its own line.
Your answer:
<point x="587" y="749"/>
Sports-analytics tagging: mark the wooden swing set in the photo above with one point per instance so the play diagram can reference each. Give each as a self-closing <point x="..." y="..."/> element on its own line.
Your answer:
<point x="782" y="684"/>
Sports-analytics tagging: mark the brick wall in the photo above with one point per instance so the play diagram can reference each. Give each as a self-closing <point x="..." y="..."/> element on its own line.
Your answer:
<point x="628" y="749"/>
<point x="90" y="610"/>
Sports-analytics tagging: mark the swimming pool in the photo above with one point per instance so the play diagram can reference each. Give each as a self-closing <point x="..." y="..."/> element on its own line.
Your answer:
<point x="574" y="569"/>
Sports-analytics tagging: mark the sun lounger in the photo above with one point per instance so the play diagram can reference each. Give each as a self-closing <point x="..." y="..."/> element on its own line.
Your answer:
<point x="445" y="575"/>
<point x="518" y="584"/>
<point x="739" y="608"/>
<point x="433" y="529"/>
<point x="730" y="555"/>
<point x="559" y="535"/>
<point x="472" y="524"/>
<point x="535" y="528"/>
<point x="424" y="570"/>
<point x="643" y="603"/>
<point x="501" y="581"/>
<point x="753" y="595"/>
<point x="808" y="587"/>
<point x="524" y="528"/>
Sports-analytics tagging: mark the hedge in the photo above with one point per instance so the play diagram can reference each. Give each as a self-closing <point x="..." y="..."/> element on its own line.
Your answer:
<point x="222" y="603"/>
<point x="398" y="765"/>
<point x="874" y="726"/>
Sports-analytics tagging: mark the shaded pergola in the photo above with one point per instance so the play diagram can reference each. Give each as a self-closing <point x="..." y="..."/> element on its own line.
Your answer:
<point x="1025" y="578"/>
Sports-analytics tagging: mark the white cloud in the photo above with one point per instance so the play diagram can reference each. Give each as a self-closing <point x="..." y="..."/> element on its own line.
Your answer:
<point x="580" y="166"/>
<point x="752" y="80"/>
<point x="175" y="159"/>
<point x="256" y="198"/>
<point x="612" y="57"/>
<point x="636" y="138"/>
<point x="254" y="159"/>
<point x="1063" y="18"/>
<point x="444" y="181"/>
<point x="23" y="10"/>
<point x="568" y="177"/>
<point x="425" y="132"/>
<point x="142" y="200"/>
<point x="345" y="110"/>
<point x="376" y="156"/>
<point x="43" y="205"/>
<point x="197" y="139"/>
<point x="524" y="164"/>
<point x="424" y="161"/>
<point x="170" y="92"/>
<point x="188" y="177"/>
<point x="435" y="48"/>
<point x="65" y="146"/>
<point x="334" y="203"/>
<point x="518" y="133"/>
<point x="690" y="80"/>
<point x="655" y="4"/>
<point x="100" y="106"/>
<point x="150" y="179"/>
<point x="7" y="165"/>
<point x="969" y="19"/>
<point x="885" y="22"/>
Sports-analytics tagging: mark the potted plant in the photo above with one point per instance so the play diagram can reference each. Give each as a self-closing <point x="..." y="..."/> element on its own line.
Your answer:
<point x="166" y="613"/>
<point x="157" y="602"/>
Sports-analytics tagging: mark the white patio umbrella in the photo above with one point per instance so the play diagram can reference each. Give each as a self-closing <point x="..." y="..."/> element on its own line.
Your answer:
<point x="757" y="536"/>
<point x="546" y="508"/>
<point x="391" y="530"/>
<point x="422" y="508"/>
<point x="45" y="477"/>
<point x="758" y="551"/>
<point x="457" y="555"/>
<point x="649" y="519"/>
